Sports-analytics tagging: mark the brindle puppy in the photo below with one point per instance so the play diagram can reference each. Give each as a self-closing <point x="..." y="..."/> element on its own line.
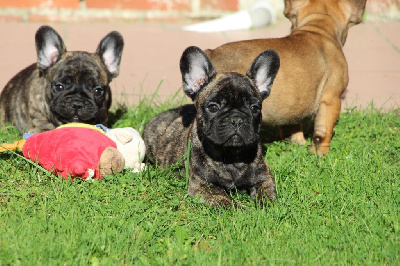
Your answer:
<point x="223" y="127"/>
<point x="62" y="86"/>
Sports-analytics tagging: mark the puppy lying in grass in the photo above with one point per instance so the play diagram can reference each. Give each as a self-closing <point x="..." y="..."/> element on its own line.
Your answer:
<point x="222" y="126"/>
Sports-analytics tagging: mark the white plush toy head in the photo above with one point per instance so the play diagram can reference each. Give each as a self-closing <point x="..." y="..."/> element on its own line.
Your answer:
<point x="130" y="144"/>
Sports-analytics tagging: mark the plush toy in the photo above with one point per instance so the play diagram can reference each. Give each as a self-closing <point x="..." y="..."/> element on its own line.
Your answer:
<point x="80" y="150"/>
<point x="131" y="145"/>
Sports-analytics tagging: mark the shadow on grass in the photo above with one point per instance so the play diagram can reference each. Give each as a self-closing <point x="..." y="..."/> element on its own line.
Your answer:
<point x="269" y="133"/>
<point x="116" y="114"/>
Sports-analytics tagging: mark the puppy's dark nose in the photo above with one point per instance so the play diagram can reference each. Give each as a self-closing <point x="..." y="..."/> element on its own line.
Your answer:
<point x="236" y="122"/>
<point x="77" y="105"/>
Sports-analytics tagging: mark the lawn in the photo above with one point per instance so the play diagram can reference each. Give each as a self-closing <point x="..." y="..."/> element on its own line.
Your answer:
<point x="343" y="208"/>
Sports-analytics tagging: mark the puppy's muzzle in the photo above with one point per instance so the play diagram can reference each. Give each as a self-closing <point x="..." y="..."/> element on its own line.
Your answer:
<point x="78" y="105"/>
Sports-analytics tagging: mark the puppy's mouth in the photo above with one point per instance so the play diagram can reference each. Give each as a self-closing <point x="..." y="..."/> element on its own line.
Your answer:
<point x="234" y="141"/>
<point x="75" y="119"/>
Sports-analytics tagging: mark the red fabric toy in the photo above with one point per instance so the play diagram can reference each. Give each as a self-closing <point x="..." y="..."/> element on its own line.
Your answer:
<point x="69" y="151"/>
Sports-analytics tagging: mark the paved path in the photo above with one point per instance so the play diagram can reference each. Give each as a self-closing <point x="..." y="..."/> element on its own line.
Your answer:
<point x="152" y="52"/>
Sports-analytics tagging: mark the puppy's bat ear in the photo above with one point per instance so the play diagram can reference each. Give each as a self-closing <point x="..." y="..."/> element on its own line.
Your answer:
<point x="196" y="70"/>
<point x="49" y="47"/>
<point x="263" y="71"/>
<point x="110" y="51"/>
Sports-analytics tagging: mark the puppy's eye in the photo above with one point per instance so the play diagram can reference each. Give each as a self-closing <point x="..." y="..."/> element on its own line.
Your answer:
<point x="58" y="87"/>
<point x="98" y="91"/>
<point x="213" y="108"/>
<point x="255" y="109"/>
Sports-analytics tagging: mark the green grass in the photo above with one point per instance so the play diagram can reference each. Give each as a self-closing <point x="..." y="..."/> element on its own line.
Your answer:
<point x="343" y="208"/>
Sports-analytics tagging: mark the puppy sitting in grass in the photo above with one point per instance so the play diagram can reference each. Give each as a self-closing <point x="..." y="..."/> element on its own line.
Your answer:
<point x="222" y="126"/>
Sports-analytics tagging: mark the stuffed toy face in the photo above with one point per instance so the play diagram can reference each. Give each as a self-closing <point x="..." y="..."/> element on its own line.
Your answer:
<point x="130" y="144"/>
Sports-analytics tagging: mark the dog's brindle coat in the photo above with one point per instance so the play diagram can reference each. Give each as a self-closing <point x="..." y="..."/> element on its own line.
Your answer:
<point x="313" y="72"/>
<point x="222" y="126"/>
<point x="62" y="86"/>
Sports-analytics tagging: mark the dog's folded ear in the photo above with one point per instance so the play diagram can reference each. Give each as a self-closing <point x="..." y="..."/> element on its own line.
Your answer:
<point x="49" y="47"/>
<point x="291" y="10"/>
<point x="110" y="51"/>
<point x="263" y="71"/>
<point x="196" y="69"/>
<point x="353" y="10"/>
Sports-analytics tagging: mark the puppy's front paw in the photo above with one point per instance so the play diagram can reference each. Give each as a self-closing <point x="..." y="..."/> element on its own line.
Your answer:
<point x="319" y="147"/>
<point x="210" y="194"/>
<point x="264" y="192"/>
<point x="293" y="133"/>
<point x="219" y="201"/>
<point x="297" y="138"/>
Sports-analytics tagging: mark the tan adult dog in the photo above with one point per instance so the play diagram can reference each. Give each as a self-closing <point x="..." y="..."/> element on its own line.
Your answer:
<point x="313" y="72"/>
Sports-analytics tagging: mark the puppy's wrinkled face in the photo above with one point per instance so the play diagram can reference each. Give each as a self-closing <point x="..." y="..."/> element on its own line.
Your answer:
<point x="79" y="90"/>
<point x="229" y="115"/>
<point x="228" y="104"/>
<point x="77" y="87"/>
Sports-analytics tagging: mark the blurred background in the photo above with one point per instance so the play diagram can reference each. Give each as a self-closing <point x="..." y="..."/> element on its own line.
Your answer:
<point x="145" y="10"/>
<point x="157" y="31"/>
